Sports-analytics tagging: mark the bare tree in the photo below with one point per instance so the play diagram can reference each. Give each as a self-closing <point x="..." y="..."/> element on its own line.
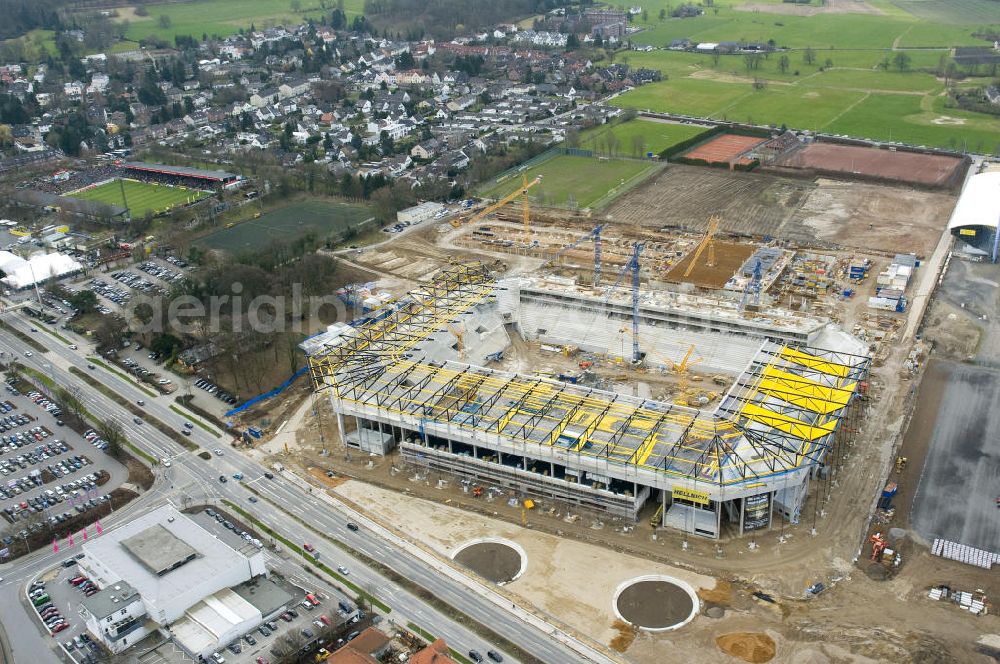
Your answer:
<point x="113" y="434"/>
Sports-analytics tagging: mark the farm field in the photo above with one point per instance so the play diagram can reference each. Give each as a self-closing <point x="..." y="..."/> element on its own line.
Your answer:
<point x="219" y="17"/>
<point x="852" y="85"/>
<point x="142" y="197"/>
<point x="570" y="181"/>
<point x="288" y="224"/>
<point x="636" y="137"/>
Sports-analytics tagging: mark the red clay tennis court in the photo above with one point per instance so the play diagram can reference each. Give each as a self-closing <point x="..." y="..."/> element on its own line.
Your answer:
<point x="723" y="149"/>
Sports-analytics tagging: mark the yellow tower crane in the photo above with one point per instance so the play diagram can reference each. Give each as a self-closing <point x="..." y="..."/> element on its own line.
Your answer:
<point x="521" y="191"/>
<point x="707" y="242"/>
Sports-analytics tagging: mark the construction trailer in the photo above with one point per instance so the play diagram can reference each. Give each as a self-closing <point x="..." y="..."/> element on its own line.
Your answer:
<point x="737" y="467"/>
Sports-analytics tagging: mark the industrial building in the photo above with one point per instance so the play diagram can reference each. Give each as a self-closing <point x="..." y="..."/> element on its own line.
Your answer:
<point x="418" y="213"/>
<point x="977" y="215"/>
<point x="164" y="571"/>
<point x="416" y="376"/>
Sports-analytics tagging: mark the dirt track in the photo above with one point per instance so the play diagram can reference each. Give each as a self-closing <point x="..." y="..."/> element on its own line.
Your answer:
<point x="921" y="169"/>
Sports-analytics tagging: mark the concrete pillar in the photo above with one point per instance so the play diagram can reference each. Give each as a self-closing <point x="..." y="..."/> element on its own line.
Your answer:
<point x="340" y="427"/>
<point x="743" y="513"/>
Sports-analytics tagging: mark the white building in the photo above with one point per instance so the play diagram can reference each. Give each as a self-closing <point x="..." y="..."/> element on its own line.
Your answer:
<point x="164" y="570"/>
<point x="419" y="213"/>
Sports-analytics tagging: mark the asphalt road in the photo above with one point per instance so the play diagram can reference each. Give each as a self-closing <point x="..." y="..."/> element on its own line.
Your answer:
<point x="191" y="479"/>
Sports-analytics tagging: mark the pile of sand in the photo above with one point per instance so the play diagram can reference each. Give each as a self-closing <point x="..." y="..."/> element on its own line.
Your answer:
<point x="626" y="635"/>
<point x="748" y="646"/>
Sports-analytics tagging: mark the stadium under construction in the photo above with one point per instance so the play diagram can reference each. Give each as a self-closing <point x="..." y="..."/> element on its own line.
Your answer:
<point x="424" y="374"/>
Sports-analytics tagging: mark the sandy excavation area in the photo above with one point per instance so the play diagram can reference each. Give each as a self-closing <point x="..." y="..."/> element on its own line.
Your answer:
<point x="561" y="577"/>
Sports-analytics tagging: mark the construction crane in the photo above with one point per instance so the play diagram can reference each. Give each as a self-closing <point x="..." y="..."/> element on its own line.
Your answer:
<point x="593" y="233"/>
<point x="707" y="242"/>
<point x="633" y="264"/>
<point x="683" y="367"/>
<point x="752" y="290"/>
<point x="520" y="191"/>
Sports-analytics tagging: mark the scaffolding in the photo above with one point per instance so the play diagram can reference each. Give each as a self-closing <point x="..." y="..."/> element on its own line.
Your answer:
<point x="779" y="417"/>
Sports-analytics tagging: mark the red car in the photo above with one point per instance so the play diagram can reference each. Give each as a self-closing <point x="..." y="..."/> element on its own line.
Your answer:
<point x="60" y="627"/>
<point x="323" y="619"/>
<point x="309" y="547"/>
<point x="261" y="660"/>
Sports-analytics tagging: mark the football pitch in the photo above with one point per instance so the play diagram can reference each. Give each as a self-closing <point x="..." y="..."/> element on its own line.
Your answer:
<point x="575" y="182"/>
<point x="287" y="224"/>
<point x="141" y="197"/>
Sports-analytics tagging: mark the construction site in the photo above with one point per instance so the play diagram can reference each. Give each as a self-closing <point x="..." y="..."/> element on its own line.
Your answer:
<point x="699" y="391"/>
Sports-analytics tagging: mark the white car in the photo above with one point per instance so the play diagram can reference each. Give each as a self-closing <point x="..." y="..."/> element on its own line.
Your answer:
<point x="28" y="353"/>
<point x="217" y="451"/>
<point x="165" y="462"/>
<point x="343" y="570"/>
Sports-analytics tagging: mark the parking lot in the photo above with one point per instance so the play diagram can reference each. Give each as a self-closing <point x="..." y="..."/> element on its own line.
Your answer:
<point x="65" y="599"/>
<point x="50" y="472"/>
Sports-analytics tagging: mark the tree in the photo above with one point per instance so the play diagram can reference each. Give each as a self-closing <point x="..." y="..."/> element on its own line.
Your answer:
<point x="751" y="61"/>
<point x="783" y="64"/>
<point x="70" y="399"/>
<point x="663" y="14"/>
<point x="83" y="301"/>
<point x="296" y="6"/>
<point x="645" y="16"/>
<point x="902" y="61"/>
<point x="113" y="434"/>
<point x="165" y="345"/>
<point x="164" y="21"/>
<point x="809" y="55"/>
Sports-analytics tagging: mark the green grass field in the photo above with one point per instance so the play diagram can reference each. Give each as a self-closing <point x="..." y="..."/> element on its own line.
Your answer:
<point x="846" y="89"/>
<point x="223" y="17"/>
<point x="574" y="181"/>
<point x="637" y="137"/>
<point x="287" y="224"/>
<point x="142" y="197"/>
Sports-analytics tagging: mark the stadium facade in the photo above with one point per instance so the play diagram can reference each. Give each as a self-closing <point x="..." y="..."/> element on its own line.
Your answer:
<point x="415" y="375"/>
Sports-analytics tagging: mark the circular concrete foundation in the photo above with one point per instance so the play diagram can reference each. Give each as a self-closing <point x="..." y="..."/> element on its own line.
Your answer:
<point x="656" y="603"/>
<point x="497" y="560"/>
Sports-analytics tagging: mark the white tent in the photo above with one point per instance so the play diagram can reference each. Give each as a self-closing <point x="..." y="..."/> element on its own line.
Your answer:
<point x="979" y="203"/>
<point x="23" y="273"/>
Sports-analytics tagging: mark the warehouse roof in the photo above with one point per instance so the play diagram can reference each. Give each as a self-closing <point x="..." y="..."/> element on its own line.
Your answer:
<point x="159" y="549"/>
<point x="126" y="552"/>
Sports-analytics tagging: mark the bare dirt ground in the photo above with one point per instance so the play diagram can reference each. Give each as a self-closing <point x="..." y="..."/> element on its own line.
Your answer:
<point x="885" y="218"/>
<point x="559" y="577"/>
<point x="686" y="196"/>
<point x="821" y="213"/>
<point x="493" y="561"/>
<point x="828" y="7"/>
<point x="729" y="256"/>
<point x="654" y="604"/>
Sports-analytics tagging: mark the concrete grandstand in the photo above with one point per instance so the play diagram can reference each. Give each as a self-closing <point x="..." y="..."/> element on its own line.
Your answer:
<point x="415" y="375"/>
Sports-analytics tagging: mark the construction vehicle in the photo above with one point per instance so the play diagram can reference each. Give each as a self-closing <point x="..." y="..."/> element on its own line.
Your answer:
<point x="657" y="519"/>
<point x="879" y="545"/>
<point x="477" y="491"/>
<point x="521" y="191"/>
<point x="900" y="464"/>
<point x="707" y="242"/>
